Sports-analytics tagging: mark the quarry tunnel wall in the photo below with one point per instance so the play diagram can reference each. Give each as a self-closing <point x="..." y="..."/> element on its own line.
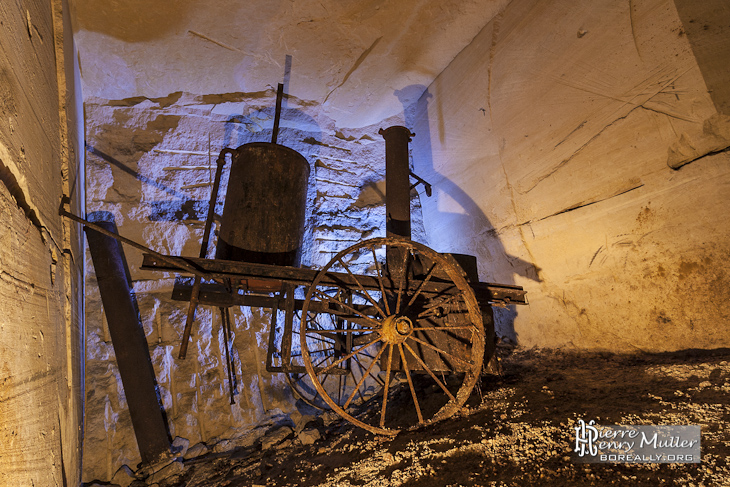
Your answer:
<point x="580" y="151"/>
<point x="41" y="256"/>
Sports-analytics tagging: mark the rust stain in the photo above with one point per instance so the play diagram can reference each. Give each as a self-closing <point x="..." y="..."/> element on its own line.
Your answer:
<point x="662" y="318"/>
<point x="686" y="268"/>
<point x="645" y="215"/>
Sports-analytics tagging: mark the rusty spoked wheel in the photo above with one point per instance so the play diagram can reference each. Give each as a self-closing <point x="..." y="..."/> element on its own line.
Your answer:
<point x="323" y="350"/>
<point x="398" y="314"/>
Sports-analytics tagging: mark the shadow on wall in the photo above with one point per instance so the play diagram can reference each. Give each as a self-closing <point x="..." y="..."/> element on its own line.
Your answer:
<point x="145" y="22"/>
<point x="181" y="208"/>
<point x="415" y="100"/>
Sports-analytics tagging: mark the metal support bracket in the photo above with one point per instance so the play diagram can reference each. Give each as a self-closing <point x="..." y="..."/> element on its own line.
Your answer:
<point x="419" y="180"/>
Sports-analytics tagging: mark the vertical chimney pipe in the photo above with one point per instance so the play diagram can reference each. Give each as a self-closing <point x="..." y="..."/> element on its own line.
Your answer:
<point x="397" y="182"/>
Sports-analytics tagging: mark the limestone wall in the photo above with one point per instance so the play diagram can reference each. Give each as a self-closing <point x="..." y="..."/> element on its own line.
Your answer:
<point x="580" y="150"/>
<point x="151" y="163"/>
<point x="41" y="264"/>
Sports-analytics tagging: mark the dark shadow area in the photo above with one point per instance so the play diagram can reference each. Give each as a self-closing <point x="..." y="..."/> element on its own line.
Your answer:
<point x="706" y="25"/>
<point x="237" y="132"/>
<point x="144" y="179"/>
<point x="132" y="20"/>
<point x="415" y="100"/>
<point x="178" y="209"/>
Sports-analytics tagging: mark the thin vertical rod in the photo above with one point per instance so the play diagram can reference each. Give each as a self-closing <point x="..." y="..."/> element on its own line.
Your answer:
<point x="195" y="292"/>
<point x="277" y="114"/>
<point x="225" y="320"/>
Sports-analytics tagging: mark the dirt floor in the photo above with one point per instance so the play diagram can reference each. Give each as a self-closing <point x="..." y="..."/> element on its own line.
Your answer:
<point x="518" y="429"/>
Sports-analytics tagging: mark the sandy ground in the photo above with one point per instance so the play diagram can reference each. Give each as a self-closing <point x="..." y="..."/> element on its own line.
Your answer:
<point x="516" y="430"/>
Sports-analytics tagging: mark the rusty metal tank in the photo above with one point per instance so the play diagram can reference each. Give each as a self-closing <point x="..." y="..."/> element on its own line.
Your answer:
<point x="265" y="206"/>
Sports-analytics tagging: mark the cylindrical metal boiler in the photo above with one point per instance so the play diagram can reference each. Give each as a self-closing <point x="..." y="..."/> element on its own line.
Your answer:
<point x="264" y="211"/>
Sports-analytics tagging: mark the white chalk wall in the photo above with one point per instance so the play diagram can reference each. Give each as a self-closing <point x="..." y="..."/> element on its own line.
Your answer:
<point x="41" y="261"/>
<point x="148" y="163"/>
<point x="579" y="149"/>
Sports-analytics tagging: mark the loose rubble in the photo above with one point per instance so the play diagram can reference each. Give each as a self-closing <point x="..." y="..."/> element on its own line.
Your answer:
<point x="517" y="429"/>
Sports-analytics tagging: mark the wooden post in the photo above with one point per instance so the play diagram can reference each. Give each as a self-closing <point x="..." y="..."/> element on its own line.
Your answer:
<point x="128" y="339"/>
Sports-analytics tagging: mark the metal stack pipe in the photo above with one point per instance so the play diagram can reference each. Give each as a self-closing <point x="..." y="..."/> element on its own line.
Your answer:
<point x="397" y="182"/>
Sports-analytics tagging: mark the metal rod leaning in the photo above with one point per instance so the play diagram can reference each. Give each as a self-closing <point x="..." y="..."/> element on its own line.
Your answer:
<point x="226" y="325"/>
<point x="277" y="113"/>
<point x="174" y="261"/>
<point x="194" y="295"/>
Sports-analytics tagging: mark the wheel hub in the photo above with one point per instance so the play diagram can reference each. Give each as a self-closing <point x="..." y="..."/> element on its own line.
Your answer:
<point x="396" y="329"/>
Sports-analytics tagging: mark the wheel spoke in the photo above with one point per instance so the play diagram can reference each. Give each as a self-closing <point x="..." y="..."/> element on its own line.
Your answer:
<point x="410" y="383"/>
<point x="319" y="339"/>
<point x="380" y="280"/>
<point x="327" y="332"/>
<point x="402" y="280"/>
<point x="347" y="325"/>
<point x="299" y="354"/>
<point x="374" y="377"/>
<point x="349" y="308"/>
<point x="430" y="372"/>
<point x="387" y="385"/>
<point x="443" y="328"/>
<point x="367" y="296"/>
<point x="420" y="287"/>
<point x="362" y="379"/>
<point x="443" y="301"/>
<point x="326" y="358"/>
<point x="443" y="352"/>
<point x="433" y="308"/>
<point x="352" y="373"/>
<point x="365" y="324"/>
<point x="342" y="359"/>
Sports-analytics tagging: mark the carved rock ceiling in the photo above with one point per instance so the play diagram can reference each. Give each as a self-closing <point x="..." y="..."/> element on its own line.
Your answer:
<point x="362" y="60"/>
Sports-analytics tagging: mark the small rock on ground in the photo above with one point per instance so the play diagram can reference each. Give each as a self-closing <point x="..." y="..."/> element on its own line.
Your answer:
<point x="308" y="437"/>
<point x="174" y="468"/>
<point x="275" y="437"/>
<point x="197" y="450"/>
<point x="180" y="446"/>
<point x="123" y="477"/>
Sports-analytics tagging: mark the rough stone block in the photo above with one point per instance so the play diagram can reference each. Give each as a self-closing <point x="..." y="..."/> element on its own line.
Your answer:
<point x="309" y="436"/>
<point x="275" y="437"/>
<point x="180" y="446"/>
<point x="175" y="468"/>
<point x="124" y="476"/>
<point x="197" y="450"/>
